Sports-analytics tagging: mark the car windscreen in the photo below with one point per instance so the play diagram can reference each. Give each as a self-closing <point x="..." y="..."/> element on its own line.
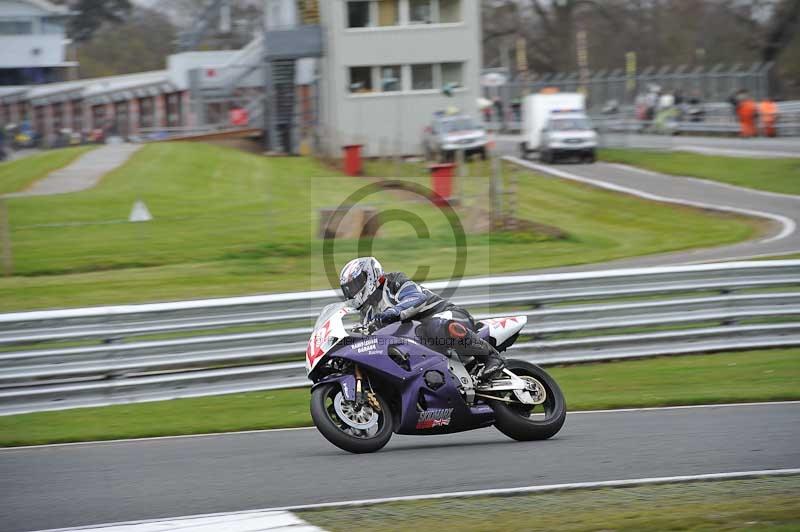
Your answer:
<point x="570" y="124"/>
<point x="455" y="125"/>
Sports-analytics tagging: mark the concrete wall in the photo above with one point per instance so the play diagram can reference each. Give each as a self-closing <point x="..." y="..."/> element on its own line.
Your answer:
<point x="381" y="120"/>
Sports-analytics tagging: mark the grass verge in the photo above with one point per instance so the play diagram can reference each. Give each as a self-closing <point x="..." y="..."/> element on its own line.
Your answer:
<point x="772" y="175"/>
<point x="750" y="504"/>
<point x="229" y="223"/>
<point x="21" y="173"/>
<point x="698" y="379"/>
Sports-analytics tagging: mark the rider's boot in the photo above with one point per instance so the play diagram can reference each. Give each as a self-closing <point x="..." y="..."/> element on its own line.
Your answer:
<point x="493" y="364"/>
<point x="470" y="344"/>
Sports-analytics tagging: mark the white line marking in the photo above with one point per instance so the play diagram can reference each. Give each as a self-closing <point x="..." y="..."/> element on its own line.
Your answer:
<point x="680" y="407"/>
<point x="732" y="152"/>
<point x="789" y="226"/>
<point x="708" y="182"/>
<point x="266" y="431"/>
<point x="248" y="521"/>
<point x="494" y="492"/>
<point x="555" y="487"/>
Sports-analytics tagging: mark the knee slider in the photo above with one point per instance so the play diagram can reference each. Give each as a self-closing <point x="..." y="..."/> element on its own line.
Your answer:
<point x="456" y="330"/>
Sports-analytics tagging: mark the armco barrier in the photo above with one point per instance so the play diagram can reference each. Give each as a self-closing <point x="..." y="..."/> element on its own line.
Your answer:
<point x="97" y="356"/>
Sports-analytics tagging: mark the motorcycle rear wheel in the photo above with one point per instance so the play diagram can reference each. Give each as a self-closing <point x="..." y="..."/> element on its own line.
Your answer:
<point x="526" y="422"/>
<point x="336" y="429"/>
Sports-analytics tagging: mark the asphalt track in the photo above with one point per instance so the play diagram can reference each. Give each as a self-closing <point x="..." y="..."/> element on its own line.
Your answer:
<point x="725" y="146"/>
<point x="73" y="485"/>
<point x="779" y="212"/>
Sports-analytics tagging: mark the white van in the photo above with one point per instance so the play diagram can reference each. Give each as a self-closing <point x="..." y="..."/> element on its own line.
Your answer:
<point x="555" y="125"/>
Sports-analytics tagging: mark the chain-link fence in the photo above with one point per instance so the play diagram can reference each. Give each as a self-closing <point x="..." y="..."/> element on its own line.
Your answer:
<point x="714" y="84"/>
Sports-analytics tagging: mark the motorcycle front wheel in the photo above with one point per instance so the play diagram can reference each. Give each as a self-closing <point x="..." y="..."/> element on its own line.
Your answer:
<point x="525" y="422"/>
<point x="349" y="426"/>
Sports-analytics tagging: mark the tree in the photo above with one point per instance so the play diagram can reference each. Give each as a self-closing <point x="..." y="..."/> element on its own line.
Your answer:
<point x="141" y="43"/>
<point x="92" y="14"/>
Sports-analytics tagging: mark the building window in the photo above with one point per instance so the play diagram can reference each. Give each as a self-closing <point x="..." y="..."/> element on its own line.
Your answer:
<point x="77" y="116"/>
<point x="146" y="112"/>
<point x="420" y="11"/>
<point x="358" y="14"/>
<point x="52" y="26"/>
<point x="388" y="12"/>
<point x="174" y="115"/>
<point x="16" y="27"/>
<point x="391" y="78"/>
<point x="360" y="79"/>
<point x="449" y="11"/>
<point x="421" y="77"/>
<point x="453" y="73"/>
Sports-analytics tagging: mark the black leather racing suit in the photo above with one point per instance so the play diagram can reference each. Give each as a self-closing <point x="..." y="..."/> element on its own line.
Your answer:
<point x="443" y="324"/>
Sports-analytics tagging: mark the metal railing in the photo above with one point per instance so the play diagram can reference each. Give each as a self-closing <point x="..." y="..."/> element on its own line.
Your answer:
<point x="97" y="356"/>
<point x="714" y="83"/>
<point x="718" y="119"/>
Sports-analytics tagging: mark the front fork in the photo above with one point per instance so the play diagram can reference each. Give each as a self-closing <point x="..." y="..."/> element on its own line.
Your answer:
<point x="353" y="388"/>
<point x="365" y="396"/>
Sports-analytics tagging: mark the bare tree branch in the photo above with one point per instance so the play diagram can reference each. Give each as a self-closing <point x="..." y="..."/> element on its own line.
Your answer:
<point x="542" y="14"/>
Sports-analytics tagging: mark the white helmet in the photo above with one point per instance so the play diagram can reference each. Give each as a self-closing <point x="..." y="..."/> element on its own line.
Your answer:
<point x="360" y="278"/>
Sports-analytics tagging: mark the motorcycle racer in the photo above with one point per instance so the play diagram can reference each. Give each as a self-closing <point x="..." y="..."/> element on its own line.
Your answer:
<point x="384" y="298"/>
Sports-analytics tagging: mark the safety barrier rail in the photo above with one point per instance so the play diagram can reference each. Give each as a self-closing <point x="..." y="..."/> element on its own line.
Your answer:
<point x="106" y="355"/>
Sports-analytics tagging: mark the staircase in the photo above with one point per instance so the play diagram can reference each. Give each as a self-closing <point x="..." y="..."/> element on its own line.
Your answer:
<point x="309" y="12"/>
<point x="283" y="105"/>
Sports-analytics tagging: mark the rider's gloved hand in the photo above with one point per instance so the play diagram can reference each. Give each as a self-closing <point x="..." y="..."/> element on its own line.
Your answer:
<point x="390" y="315"/>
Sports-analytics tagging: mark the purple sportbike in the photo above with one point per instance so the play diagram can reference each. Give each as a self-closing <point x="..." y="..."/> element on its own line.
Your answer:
<point x="369" y="384"/>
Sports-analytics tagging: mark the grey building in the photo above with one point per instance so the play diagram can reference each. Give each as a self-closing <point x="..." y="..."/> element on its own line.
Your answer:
<point x="33" y="42"/>
<point x="385" y="64"/>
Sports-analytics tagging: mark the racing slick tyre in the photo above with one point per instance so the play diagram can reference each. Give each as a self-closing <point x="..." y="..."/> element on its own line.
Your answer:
<point x="348" y="425"/>
<point x="524" y="422"/>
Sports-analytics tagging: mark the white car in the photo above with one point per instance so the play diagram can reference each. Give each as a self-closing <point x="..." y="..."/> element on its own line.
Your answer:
<point x="568" y="135"/>
<point x="449" y="134"/>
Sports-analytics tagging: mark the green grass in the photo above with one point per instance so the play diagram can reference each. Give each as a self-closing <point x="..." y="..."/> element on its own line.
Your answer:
<point x="748" y="504"/>
<point x="229" y="223"/>
<point x="773" y="175"/>
<point x="17" y="175"/>
<point x="699" y="379"/>
<point x="790" y="256"/>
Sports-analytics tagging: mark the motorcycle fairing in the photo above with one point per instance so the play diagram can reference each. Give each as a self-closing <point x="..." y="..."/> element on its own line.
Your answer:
<point x="501" y="329"/>
<point x="324" y="338"/>
<point x="412" y="387"/>
<point x="347" y="383"/>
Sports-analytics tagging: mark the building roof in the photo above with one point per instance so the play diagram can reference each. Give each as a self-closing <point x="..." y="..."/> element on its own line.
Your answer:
<point x="50" y="7"/>
<point x="12" y="89"/>
<point x="95" y="90"/>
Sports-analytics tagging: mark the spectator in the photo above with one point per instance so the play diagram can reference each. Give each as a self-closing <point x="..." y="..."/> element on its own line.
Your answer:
<point x="748" y="113"/>
<point x="768" y="112"/>
<point x="734" y="101"/>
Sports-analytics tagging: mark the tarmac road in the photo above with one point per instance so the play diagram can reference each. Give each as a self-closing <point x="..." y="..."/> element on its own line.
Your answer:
<point x="780" y="211"/>
<point x="72" y="485"/>
<point x="726" y="146"/>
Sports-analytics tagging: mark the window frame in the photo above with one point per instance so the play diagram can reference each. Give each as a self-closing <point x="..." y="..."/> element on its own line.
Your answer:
<point x="403" y="16"/>
<point x="371" y="70"/>
<point x="406" y="80"/>
<point x="370" y="12"/>
<point x="434" y="76"/>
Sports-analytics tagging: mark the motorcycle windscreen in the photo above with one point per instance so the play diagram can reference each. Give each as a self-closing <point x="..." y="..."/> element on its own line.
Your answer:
<point x="328" y="331"/>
